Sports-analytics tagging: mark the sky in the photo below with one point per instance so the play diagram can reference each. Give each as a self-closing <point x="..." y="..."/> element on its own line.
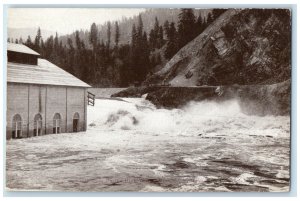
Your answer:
<point x="65" y="20"/>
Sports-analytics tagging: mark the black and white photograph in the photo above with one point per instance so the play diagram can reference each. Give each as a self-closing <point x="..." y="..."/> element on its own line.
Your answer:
<point x="148" y="99"/>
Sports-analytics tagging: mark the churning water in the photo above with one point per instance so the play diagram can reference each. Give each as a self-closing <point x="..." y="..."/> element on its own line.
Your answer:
<point x="130" y="145"/>
<point x="205" y="146"/>
<point x="206" y="116"/>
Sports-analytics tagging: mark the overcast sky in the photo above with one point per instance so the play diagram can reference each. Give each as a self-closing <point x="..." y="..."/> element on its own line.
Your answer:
<point x="65" y="20"/>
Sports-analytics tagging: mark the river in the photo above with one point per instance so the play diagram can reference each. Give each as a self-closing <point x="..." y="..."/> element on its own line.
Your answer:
<point x="130" y="145"/>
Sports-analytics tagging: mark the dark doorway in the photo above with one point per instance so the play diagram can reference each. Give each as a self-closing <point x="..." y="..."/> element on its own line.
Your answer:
<point x="75" y="122"/>
<point x="75" y="125"/>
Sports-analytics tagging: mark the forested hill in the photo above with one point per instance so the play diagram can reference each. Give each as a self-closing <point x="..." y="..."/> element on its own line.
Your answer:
<point x="99" y="57"/>
<point x="125" y="25"/>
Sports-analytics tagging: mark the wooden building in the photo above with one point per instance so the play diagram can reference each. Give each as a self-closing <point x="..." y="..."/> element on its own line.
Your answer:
<point x="41" y="97"/>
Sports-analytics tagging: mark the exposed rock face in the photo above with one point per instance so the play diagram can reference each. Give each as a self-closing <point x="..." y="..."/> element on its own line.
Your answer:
<point x="250" y="46"/>
<point x="176" y="97"/>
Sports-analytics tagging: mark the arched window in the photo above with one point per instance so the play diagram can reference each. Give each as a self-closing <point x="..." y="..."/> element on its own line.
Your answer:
<point x="56" y="123"/>
<point x="75" y="122"/>
<point x="17" y="127"/>
<point x="38" y="123"/>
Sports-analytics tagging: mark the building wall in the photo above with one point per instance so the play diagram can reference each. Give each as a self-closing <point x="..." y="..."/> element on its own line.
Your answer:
<point x="17" y="103"/>
<point x="36" y="106"/>
<point x="28" y="100"/>
<point x="56" y="103"/>
<point x="74" y="105"/>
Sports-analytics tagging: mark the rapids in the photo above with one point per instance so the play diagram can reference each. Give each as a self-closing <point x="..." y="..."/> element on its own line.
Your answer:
<point x="130" y="145"/>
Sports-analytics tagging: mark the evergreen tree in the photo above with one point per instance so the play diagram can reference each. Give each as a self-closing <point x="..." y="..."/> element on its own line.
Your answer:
<point x="117" y="34"/>
<point x="77" y="40"/>
<point x="16" y="41"/>
<point x="217" y="12"/>
<point x="204" y="24"/>
<point x="166" y="28"/>
<point x="43" y="48"/>
<point x="156" y="32"/>
<point x="209" y="19"/>
<point x="49" y="48"/>
<point x="139" y="52"/>
<point x="56" y="44"/>
<point x="200" y="26"/>
<point x="93" y="36"/>
<point x="37" y="40"/>
<point x="160" y="37"/>
<point x="171" y="48"/>
<point x="186" y="31"/>
<point x="145" y="56"/>
<point x="132" y="74"/>
<point x="133" y="36"/>
<point x="70" y="56"/>
<point x="145" y="40"/>
<point x="156" y="27"/>
<point x="134" y="54"/>
<point x="125" y="56"/>
<point x="29" y="43"/>
<point x="82" y="69"/>
<point x="181" y="41"/>
<point x="140" y="28"/>
<point x="108" y="34"/>
<point x="152" y="39"/>
<point x="93" y="39"/>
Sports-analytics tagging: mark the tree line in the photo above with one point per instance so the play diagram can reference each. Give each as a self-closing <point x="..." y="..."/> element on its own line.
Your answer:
<point x="110" y="64"/>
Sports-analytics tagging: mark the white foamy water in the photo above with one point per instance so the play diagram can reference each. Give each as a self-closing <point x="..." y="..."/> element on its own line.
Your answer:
<point x="207" y="117"/>
<point x="130" y="145"/>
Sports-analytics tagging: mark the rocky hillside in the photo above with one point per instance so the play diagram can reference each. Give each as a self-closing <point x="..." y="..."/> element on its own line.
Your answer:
<point x="243" y="46"/>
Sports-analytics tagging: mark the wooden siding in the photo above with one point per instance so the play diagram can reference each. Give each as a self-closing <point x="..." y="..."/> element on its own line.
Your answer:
<point x="36" y="106"/>
<point x="17" y="103"/>
<point x="56" y="103"/>
<point x="29" y="100"/>
<point x="76" y="104"/>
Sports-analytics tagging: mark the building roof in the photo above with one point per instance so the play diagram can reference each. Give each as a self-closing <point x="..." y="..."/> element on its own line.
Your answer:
<point x="44" y="73"/>
<point x="20" y="48"/>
